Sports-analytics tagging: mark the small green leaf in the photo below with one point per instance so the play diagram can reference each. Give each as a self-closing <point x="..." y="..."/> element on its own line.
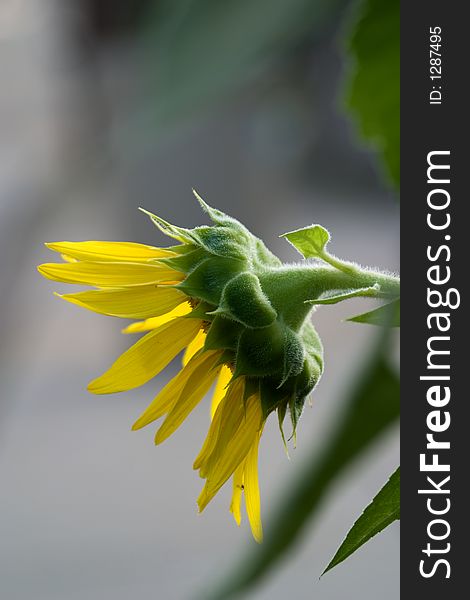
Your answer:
<point x="387" y="315"/>
<point x="373" y="87"/>
<point x="383" y="510"/>
<point x="309" y="241"/>
<point x="333" y="298"/>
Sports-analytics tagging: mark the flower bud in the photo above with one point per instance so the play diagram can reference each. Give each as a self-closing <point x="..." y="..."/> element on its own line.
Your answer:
<point x="243" y="319"/>
<point x="254" y="309"/>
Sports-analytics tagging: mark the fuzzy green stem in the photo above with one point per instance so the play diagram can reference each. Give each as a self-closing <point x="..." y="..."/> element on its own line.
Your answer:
<point x="291" y="288"/>
<point x="341" y="265"/>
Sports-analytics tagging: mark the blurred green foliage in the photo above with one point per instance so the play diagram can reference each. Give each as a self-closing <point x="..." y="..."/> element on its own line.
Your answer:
<point x="206" y="49"/>
<point x="373" y="88"/>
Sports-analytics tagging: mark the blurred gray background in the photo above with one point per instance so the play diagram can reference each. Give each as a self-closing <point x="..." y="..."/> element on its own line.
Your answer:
<point x="89" y="131"/>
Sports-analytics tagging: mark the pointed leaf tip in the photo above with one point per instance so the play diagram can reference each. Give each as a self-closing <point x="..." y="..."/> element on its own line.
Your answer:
<point x="202" y="202"/>
<point x="216" y="215"/>
<point x="387" y="315"/>
<point x="178" y="233"/>
<point x="381" y="512"/>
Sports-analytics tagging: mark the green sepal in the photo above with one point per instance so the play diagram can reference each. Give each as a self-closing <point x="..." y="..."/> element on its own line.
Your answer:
<point x="281" y="415"/>
<point x="313" y="348"/>
<point x="208" y="279"/>
<point x="261" y="351"/>
<point x="309" y="241"/>
<point x="387" y="315"/>
<point x="223" y="334"/>
<point x="244" y="301"/>
<point x="264" y="256"/>
<point x="310" y="375"/>
<point x="178" y="233"/>
<point x="271" y="395"/>
<point x="250" y="245"/>
<point x="293" y="355"/>
<point x="227" y="358"/>
<point x="296" y="408"/>
<point x="181" y="248"/>
<point x="202" y="311"/>
<point x="186" y="262"/>
<point x="251" y="388"/>
<point x="222" y="241"/>
<point x="307" y="379"/>
<point x="333" y="297"/>
<point x="216" y="215"/>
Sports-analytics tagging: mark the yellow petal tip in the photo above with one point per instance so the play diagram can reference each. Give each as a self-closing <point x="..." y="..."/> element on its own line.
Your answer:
<point x="159" y="439"/>
<point x="45" y="271"/>
<point x="93" y="387"/>
<point x="237" y="518"/>
<point x="203" y="500"/>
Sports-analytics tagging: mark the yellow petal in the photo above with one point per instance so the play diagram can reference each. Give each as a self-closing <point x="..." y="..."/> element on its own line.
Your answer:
<point x="136" y="302"/>
<point x="252" y="497"/>
<point x="234" y="452"/>
<point x="237" y="492"/>
<point x="220" y="388"/>
<point x="193" y="392"/>
<point x="194" y="347"/>
<point x="108" y="274"/>
<point x="166" y="399"/>
<point x="209" y="444"/>
<point x="154" y="322"/>
<point x="146" y="358"/>
<point x="227" y="419"/>
<point x="109" y="251"/>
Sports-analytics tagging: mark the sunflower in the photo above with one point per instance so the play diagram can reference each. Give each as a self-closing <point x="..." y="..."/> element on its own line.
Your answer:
<point x="240" y="317"/>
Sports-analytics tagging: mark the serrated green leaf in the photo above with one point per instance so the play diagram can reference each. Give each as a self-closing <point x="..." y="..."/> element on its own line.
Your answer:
<point x="387" y="315"/>
<point x="335" y="298"/>
<point x="371" y="407"/>
<point x="373" y="88"/>
<point x="383" y="510"/>
<point x="309" y="241"/>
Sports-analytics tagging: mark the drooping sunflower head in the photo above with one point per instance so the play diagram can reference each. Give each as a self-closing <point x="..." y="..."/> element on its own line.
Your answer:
<point x="239" y="314"/>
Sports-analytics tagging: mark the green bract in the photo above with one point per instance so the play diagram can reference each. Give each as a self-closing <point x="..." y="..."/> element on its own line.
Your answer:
<point x="257" y="310"/>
